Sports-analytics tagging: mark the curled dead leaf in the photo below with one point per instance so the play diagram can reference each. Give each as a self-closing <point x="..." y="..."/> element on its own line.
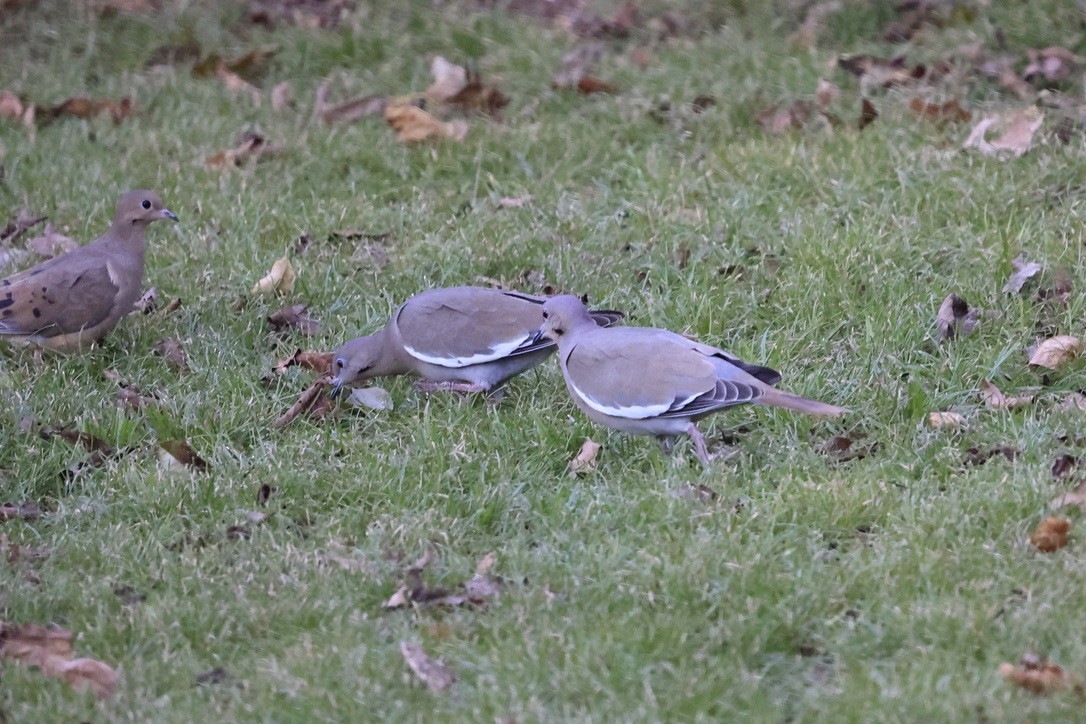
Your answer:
<point x="449" y="79"/>
<point x="251" y="146"/>
<point x="87" y="108"/>
<point x="1038" y="675"/>
<point x="19" y="511"/>
<point x="173" y="352"/>
<point x="375" y="398"/>
<point x="319" y="362"/>
<point x="413" y="125"/>
<point x="50" y="651"/>
<point x="1017" y="138"/>
<point x="307" y="402"/>
<point x="280" y="280"/>
<point x="1055" y="352"/>
<point x="585" y="462"/>
<point x="955" y="318"/>
<point x="949" y="112"/>
<point x="1023" y="270"/>
<point x="946" y="420"/>
<point x="993" y="397"/>
<point x="1051" y="534"/>
<point x="179" y="455"/>
<point x="436" y="675"/>
<point x="1074" y="402"/>
<point x="19" y="224"/>
<point x="293" y="316"/>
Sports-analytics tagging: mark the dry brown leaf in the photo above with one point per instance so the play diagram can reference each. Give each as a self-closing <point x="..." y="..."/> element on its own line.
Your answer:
<point x="319" y="362"/>
<point x="412" y="124"/>
<point x="307" y="402"/>
<point x="252" y="146"/>
<point x="843" y="448"/>
<point x="1063" y="464"/>
<point x="449" y="79"/>
<point x="19" y="511"/>
<point x="87" y="108"/>
<point x="19" y="224"/>
<point x="128" y="395"/>
<point x="1016" y="138"/>
<point x="236" y="85"/>
<point x="1036" y="674"/>
<point x="1055" y="352"/>
<point x="280" y="280"/>
<point x="179" y="455"/>
<point x="170" y="349"/>
<point x="975" y="456"/>
<point x="950" y="112"/>
<point x="585" y="462"/>
<point x="993" y="397"/>
<point x="478" y="96"/>
<point x="293" y="316"/>
<point x="250" y="66"/>
<point x="955" y="318"/>
<point x="50" y="650"/>
<point x="589" y="84"/>
<point x="51" y="243"/>
<point x="826" y="94"/>
<point x="1053" y="65"/>
<point x="436" y="675"/>
<point x="1074" y="402"/>
<point x="352" y="110"/>
<point x="868" y="114"/>
<point x="1023" y="270"/>
<point x="1077" y="497"/>
<point x="875" y="71"/>
<point x="780" y="120"/>
<point x="946" y="420"/>
<point x="477" y="591"/>
<point x="99" y="450"/>
<point x="1051" y="534"/>
<point x="147" y="303"/>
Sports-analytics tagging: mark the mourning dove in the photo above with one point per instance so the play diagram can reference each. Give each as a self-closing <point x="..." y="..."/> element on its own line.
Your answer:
<point x="71" y="301"/>
<point x="647" y="381"/>
<point x="463" y="339"/>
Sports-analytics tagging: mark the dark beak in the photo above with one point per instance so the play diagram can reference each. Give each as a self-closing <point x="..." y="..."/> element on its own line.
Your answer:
<point x="334" y="389"/>
<point x="538" y="337"/>
<point x="167" y="214"/>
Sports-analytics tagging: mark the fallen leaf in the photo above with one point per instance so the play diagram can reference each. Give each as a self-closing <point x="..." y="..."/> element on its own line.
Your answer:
<point x="482" y="586"/>
<point x="789" y="118"/>
<point x="319" y="362"/>
<point x="993" y="397"/>
<point x="585" y="462"/>
<point x="128" y="395"/>
<point x="51" y="243"/>
<point x="19" y="511"/>
<point x="179" y="455"/>
<point x="1059" y="292"/>
<point x="1055" y="352"/>
<point x="252" y="146"/>
<point x="282" y="96"/>
<point x="1052" y="65"/>
<point x="955" y="318"/>
<point x="87" y="108"/>
<point x="1016" y="138"/>
<point x="412" y="125"/>
<point x="264" y="493"/>
<point x="1077" y="497"/>
<point x="376" y="398"/>
<point x="50" y="650"/>
<point x="948" y="112"/>
<point x="826" y="94"/>
<point x="698" y="493"/>
<point x="974" y="455"/>
<point x="576" y="65"/>
<point x="868" y="114"/>
<point x="1051" y="534"/>
<point x="293" y="317"/>
<point x="1074" y="402"/>
<point x="14" y="552"/>
<point x="1023" y="270"/>
<point x="213" y="677"/>
<point x="1038" y="675"/>
<point x="478" y="96"/>
<point x="349" y="111"/>
<point x="436" y="675"/>
<point x="250" y="66"/>
<point x="173" y="352"/>
<point x="589" y="84"/>
<point x="880" y="72"/>
<point x="842" y="448"/>
<point x="946" y="420"/>
<point x="19" y="224"/>
<point x="449" y="79"/>
<point x="99" y="450"/>
<point x="280" y="280"/>
<point x="236" y="85"/>
<point x="307" y="402"/>
<point x="1063" y="464"/>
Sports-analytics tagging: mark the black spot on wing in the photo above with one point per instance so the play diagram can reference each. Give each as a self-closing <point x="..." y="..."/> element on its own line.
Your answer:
<point x="37" y="312"/>
<point x="7" y="312"/>
<point x="7" y="301"/>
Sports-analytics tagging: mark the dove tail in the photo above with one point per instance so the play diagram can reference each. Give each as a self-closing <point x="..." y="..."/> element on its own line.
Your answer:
<point x="778" y="398"/>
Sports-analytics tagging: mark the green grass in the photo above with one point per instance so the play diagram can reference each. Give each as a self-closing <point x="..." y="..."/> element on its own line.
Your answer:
<point x="887" y="588"/>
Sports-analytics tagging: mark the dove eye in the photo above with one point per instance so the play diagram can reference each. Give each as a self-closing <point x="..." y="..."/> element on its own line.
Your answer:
<point x="146" y="204"/>
<point x="340" y="363"/>
<point x="546" y="314"/>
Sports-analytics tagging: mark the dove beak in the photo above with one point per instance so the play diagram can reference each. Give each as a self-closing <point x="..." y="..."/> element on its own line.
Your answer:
<point x="539" y="336"/>
<point x="334" y="389"/>
<point x="167" y="214"/>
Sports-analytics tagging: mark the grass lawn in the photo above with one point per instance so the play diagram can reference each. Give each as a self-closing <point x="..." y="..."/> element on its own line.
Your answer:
<point x="888" y="587"/>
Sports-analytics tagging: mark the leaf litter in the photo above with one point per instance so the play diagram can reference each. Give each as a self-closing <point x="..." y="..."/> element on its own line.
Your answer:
<point x="49" y="649"/>
<point x="477" y="591"/>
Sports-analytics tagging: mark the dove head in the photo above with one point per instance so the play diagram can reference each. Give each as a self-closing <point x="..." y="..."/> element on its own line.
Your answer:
<point x="562" y="315"/>
<point x="140" y="208"/>
<point x="359" y="359"/>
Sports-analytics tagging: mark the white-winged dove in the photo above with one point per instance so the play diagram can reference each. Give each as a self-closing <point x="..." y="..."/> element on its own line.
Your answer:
<point x="463" y="339"/>
<point x="68" y="303"/>
<point x="647" y="381"/>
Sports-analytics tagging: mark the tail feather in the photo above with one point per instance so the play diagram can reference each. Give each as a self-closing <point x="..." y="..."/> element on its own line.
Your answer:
<point x="779" y="398"/>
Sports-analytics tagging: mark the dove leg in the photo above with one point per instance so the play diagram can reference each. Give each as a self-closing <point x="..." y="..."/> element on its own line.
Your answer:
<point x="699" y="443"/>
<point x="430" y="386"/>
<point x="667" y="443"/>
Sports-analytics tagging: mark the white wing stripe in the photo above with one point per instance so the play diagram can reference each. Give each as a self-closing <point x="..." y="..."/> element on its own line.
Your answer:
<point x="636" y="412"/>
<point x="497" y="352"/>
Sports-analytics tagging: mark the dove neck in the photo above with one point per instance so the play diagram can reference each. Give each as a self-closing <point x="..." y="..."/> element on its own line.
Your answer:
<point x="390" y="358"/>
<point x="127" y="234"/>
